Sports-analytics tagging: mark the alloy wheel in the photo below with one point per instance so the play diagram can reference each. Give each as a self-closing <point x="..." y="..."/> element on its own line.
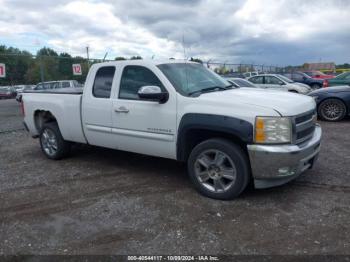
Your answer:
<point x="215" y="170"/>
<point x="49" y="142"/>
<point x="332" y="110"/>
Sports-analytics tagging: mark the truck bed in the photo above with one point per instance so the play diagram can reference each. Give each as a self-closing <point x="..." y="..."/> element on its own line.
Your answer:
<point x="64" y="104"/>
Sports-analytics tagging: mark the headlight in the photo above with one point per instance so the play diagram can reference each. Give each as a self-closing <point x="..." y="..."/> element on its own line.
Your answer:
<point x="273" y="130"/>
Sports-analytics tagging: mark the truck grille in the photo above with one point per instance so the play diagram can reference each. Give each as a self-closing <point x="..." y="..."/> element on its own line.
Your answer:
<point x="304" y="127"/>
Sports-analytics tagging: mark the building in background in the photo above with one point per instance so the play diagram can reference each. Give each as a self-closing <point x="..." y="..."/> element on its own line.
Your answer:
<point x="328" y="66"/>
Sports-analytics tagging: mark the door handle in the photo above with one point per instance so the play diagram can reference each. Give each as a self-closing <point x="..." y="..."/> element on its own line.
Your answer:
<point x="121" y="109"/>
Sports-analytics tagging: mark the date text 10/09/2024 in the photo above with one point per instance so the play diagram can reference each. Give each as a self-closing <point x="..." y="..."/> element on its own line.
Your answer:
<point x="173" y="258"/>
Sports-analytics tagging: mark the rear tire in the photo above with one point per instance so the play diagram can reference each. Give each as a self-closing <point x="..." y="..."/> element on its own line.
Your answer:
<point x="219" y="169"/>
<point x="332" y="110"/>
<point x="52" y="143"/>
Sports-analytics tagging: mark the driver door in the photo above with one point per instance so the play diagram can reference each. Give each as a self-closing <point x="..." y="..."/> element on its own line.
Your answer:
<point x="140" y="125"/>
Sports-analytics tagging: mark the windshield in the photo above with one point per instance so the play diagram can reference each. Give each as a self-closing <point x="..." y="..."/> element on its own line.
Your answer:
<point x="342" y="75"/>
<point x="188" y="78"/>
<point x="285" y="79"/>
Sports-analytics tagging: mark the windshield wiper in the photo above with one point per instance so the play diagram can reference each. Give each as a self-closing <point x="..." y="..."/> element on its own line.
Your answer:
<point x="211" y="89"/>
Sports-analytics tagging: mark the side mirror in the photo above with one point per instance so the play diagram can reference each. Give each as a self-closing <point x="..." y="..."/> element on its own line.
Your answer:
<point x="282" y="84"/>
<point x="153" y="93"/>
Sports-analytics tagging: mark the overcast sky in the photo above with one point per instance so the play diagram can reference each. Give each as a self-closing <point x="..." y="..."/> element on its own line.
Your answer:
<point x="241" y="31"/>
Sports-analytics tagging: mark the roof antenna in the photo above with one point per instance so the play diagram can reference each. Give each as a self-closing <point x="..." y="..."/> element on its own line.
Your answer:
<point x="186" y="66"/>
<point x="183" y="44"/>
<point x="104" y="58"/>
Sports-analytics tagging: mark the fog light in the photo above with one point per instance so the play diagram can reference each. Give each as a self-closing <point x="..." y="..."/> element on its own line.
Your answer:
<point x="285" y="171"/>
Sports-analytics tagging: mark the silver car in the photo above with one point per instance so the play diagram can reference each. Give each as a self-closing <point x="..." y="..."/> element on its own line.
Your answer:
<point x="279" y="82"/>
<point x="239" y="82"/>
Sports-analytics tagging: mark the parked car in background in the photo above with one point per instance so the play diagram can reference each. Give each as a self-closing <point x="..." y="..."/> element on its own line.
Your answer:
<point x="58" y="84"/>
<point x="279" y="82"/>
<point x="20" y="88"/>
<point x="342" y="79"/>
<point x="52" y="85"/>
<point x="234" y="75"/>
<point x="333" y="103"/>
<point x="250" y="74"/>
<point x="317" y="74"/>
<point x="239" y="82"/>
<point x="7" y="92"/>
<point x="23" y="89"/>
<point x="301" y="77"/>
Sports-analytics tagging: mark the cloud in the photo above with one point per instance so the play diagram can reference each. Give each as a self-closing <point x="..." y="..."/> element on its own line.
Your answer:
<point x="270" y="31"/>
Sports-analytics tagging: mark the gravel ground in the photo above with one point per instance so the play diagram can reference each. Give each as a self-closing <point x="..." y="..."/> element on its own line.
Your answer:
<point x="100" y="201"/>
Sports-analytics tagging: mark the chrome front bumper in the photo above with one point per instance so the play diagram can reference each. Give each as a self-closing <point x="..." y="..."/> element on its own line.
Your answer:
<point x="274" y="165"/>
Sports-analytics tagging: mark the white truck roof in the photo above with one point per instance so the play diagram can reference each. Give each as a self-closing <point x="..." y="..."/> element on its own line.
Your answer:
<point x="144" y="62"/>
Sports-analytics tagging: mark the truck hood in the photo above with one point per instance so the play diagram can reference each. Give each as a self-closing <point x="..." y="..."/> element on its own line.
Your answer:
<point x="285" y="103"/>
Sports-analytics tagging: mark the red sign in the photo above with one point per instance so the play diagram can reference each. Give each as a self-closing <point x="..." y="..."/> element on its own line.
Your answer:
<point x="76" y="69"/>
<point x="2" y="70"/>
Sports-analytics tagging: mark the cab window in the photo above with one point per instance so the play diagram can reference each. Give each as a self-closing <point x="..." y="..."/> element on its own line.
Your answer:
<point x="103" y="82"/>
<point x="135" y="77"/>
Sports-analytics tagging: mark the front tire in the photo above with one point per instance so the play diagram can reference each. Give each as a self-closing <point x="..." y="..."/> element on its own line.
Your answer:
<point x="52" y="143"/>
<point x="219" y="169"/>
<point x="332" y="110"/>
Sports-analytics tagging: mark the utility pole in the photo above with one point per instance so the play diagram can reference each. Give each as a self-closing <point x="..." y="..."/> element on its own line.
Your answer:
<point x="41" y="69"/>
<point x="87" y="56"/>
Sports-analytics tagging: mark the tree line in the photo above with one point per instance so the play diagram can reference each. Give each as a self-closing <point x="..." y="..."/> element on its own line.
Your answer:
<point x="24" y="68"/>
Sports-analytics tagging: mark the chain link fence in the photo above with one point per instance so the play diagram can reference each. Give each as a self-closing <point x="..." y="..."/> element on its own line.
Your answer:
<point x="26" y="69"/>
<point x="241" y="69"/>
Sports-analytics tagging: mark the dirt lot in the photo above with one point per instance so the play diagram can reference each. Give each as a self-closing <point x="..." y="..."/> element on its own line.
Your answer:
<point x="101" y="201"/>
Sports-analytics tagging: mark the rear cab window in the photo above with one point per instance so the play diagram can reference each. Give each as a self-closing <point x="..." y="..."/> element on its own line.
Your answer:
<point x="103" y="82"/>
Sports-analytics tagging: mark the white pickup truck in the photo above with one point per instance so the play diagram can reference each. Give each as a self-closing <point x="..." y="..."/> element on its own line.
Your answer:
<point x="180" y="110"/>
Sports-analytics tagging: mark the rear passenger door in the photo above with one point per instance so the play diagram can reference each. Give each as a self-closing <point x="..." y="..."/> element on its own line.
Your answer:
<point x="97" y="106"/>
